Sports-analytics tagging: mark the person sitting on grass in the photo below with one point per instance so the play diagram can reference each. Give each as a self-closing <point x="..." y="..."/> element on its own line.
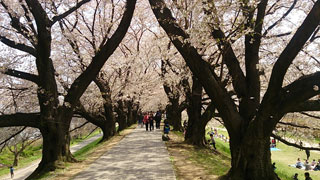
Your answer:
<point x="317" y="166"/>
<point x="307" y="165"/>
<point x="299" y="164"/>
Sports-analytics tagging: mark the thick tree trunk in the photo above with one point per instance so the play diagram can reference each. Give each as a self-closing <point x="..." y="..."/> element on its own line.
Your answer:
<point x="174" y="114"/>
<point x="121" y="119"/>
<point x="251" y="158"/>
<point x="56" y="143"/>
<point x="195" y="133"/>
<point x="130" y="119"/>
<point x="108" y="129"/>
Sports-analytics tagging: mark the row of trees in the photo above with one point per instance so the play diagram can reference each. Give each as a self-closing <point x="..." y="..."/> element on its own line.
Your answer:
<point x="38" y="29"/>
<point x="226" y="50"/>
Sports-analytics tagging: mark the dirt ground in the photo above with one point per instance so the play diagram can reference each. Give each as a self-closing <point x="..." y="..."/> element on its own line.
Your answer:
<point x="75" y="168"/>
<point x="185" y="169"/>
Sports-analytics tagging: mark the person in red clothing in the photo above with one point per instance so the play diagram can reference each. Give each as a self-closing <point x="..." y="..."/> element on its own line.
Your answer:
<point x="146" y="120"/>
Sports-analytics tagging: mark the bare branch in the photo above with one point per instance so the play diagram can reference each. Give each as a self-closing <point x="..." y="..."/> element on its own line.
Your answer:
<point x="293" y="144"/>
<point x="22" y="75"/>
<point x="65" y="14"/>
<point x="18" y="46"/>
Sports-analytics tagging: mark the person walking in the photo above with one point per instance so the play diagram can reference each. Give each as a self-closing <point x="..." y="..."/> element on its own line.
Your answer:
<point x="151" y="121"/>
<point x="11" y="171"/>
<point x="146" y="120"/>
<point x="157" y="118"/>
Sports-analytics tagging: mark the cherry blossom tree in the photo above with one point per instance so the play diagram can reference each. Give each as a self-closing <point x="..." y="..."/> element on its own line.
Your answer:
<point x="239" y="34"/>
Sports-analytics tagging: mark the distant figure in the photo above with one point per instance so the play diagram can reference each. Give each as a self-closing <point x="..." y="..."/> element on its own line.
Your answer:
<point x="213" y="142"/>
<point x="301" y="144"/>
<point x="273" y="143"/>
<point x="317" y="167"/>
<point x="307" y="175"/>
<point x="307" y="166"/>
<point x="157" y="118"/>
<point x="274" y="166"/>
<point x="140" y="119"/>
<point x="146" y="120"/>
<point x="295" y="177"/>
<point x="308" y="154"/>
<point x="151" y="121"/>
<point x="185" y="126"/>
<point x="11" y="171"/>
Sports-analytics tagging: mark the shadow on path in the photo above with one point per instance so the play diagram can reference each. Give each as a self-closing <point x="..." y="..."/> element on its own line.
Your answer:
<point x="140" y="155"/>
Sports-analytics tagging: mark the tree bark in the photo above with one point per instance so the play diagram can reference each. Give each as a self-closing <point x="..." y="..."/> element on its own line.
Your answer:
<point x="251" y="157"/>
<point x="121" y="118"/>
<point x="196" y="128"/>
<point x="56" y="142"/>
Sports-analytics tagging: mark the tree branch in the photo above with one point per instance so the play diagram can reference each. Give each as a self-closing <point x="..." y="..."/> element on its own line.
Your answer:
<point x="82" y="82"/>
<point x="200" y="68"/>
<point x="65" y="14"/>
<point x="22" y="75"/>
<point x="295" y="45"/>
<point x="20" y="119"/>
<point x="293" y="144"/>
<point x="8" y="139"/>
<point x="279" y="20"/>
<point x="298" y="126"/>
<point x="19" y="46"/>
<point x="295" y="94"/>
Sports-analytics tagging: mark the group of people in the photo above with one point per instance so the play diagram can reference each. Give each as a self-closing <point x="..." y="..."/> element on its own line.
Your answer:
<point x="306" y="175"/>
<point x="148" y="120"/>
<point x="314" y="165"/>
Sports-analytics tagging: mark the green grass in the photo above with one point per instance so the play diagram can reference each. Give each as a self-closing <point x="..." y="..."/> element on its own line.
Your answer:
<point x="288" y="156"/>
<point x="34" y="152"/>
<point x="82" y="153"/>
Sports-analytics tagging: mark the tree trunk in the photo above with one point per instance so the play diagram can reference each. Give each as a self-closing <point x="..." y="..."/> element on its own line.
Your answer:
<point x="174" y="114"/>
<point x="251" y="157"/>
<point x="56" y="143"/>
<point x="16" y="159"/>
<point x="195" y="133"/>
<point x="130" y="119"/>
<point x="121" y="119"/>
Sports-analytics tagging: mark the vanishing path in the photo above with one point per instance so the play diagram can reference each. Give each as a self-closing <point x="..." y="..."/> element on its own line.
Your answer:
<point x="140" y="155"/>
<point x="21" y="174"/>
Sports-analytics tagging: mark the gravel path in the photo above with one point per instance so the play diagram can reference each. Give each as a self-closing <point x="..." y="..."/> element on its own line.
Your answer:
<point x="140" y="155"/>
<point x="22" y="173"/>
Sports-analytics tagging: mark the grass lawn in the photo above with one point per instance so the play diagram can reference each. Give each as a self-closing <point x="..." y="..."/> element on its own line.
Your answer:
<point x="34" y="152"/>
<point x="288" y="156"/>
<point x="283" y="158"/>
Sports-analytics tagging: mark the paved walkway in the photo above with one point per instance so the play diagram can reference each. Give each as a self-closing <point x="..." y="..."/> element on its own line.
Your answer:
<point x="140" y="155"/>
<point x="23" y="173"/>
